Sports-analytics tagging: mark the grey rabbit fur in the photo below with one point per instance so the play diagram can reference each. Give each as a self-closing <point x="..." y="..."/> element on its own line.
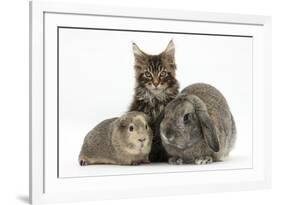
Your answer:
<point x="198" y="126"/>
<point x="124" y="141"/>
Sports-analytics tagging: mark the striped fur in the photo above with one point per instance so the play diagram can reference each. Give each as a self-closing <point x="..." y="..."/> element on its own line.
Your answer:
<point x="156" y="86"/>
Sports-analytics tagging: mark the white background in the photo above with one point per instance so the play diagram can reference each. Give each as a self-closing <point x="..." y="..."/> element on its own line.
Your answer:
<point x="97" y="81"/>
<point x="14" y="100"/>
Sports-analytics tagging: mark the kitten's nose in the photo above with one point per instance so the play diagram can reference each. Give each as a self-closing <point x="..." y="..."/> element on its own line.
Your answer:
<point x="156" y="82"/>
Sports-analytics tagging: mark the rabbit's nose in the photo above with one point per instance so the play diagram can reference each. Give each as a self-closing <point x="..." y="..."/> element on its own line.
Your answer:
<point x="171" y="138"/>
<point x="169" y="133"/>
<point x="141" y="139"/>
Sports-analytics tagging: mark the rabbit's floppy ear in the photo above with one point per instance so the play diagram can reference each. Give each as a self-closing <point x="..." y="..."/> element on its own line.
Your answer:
<point x="209" y="131"/>
<point x="208" y="128"/>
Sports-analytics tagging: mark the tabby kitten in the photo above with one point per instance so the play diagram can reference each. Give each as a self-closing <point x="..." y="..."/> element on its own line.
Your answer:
<point x="156" y="86"/>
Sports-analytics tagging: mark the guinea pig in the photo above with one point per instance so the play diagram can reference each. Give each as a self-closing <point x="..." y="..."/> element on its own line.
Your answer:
<point x="122" y="141"/>
<point x="198" y="126"/>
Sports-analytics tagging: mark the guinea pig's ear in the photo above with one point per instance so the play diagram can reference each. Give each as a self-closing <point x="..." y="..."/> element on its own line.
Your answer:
<point x="207" y="125"/>
<point x="122" y="122"/>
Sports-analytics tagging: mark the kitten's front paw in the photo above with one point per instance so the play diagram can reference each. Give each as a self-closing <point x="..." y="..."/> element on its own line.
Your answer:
<point x="175" y="160"/>
<point x="204" y="160"/>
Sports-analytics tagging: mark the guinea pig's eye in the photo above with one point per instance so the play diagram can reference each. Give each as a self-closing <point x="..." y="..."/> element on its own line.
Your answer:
<point x="131" y="128"/>
<point x="186" y="118"/>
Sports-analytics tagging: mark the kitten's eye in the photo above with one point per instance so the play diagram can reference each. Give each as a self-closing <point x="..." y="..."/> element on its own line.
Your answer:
<point x="163" y="73"/>
<point x="131" y="128"/>
<point x="147" y="74"/>
<point x="186" y="118"/>
<point x="146" y="127"/>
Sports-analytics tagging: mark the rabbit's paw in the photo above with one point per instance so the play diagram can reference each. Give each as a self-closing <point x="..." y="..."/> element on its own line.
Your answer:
<point x="175" y="160"/>
<point x="204" y="160"/>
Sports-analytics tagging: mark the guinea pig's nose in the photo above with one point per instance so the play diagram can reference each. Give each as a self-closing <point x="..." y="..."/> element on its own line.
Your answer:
<point x="141" y="139"/>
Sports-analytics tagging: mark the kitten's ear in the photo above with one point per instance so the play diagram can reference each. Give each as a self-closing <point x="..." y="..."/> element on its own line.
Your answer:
<point x="138" y="53"/>
<point x="170" y="50"/>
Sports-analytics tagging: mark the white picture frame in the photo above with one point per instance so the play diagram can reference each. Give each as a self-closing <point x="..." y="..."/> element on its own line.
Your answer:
<point x="45" y="184"/>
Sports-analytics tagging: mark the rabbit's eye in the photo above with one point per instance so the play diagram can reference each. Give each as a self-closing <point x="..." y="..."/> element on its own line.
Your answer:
<point x="186" y="118"/>
<point x="131" y="128"/>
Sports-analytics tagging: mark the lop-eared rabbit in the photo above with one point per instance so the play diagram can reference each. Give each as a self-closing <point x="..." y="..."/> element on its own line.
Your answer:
<point x="198" y="126"/>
